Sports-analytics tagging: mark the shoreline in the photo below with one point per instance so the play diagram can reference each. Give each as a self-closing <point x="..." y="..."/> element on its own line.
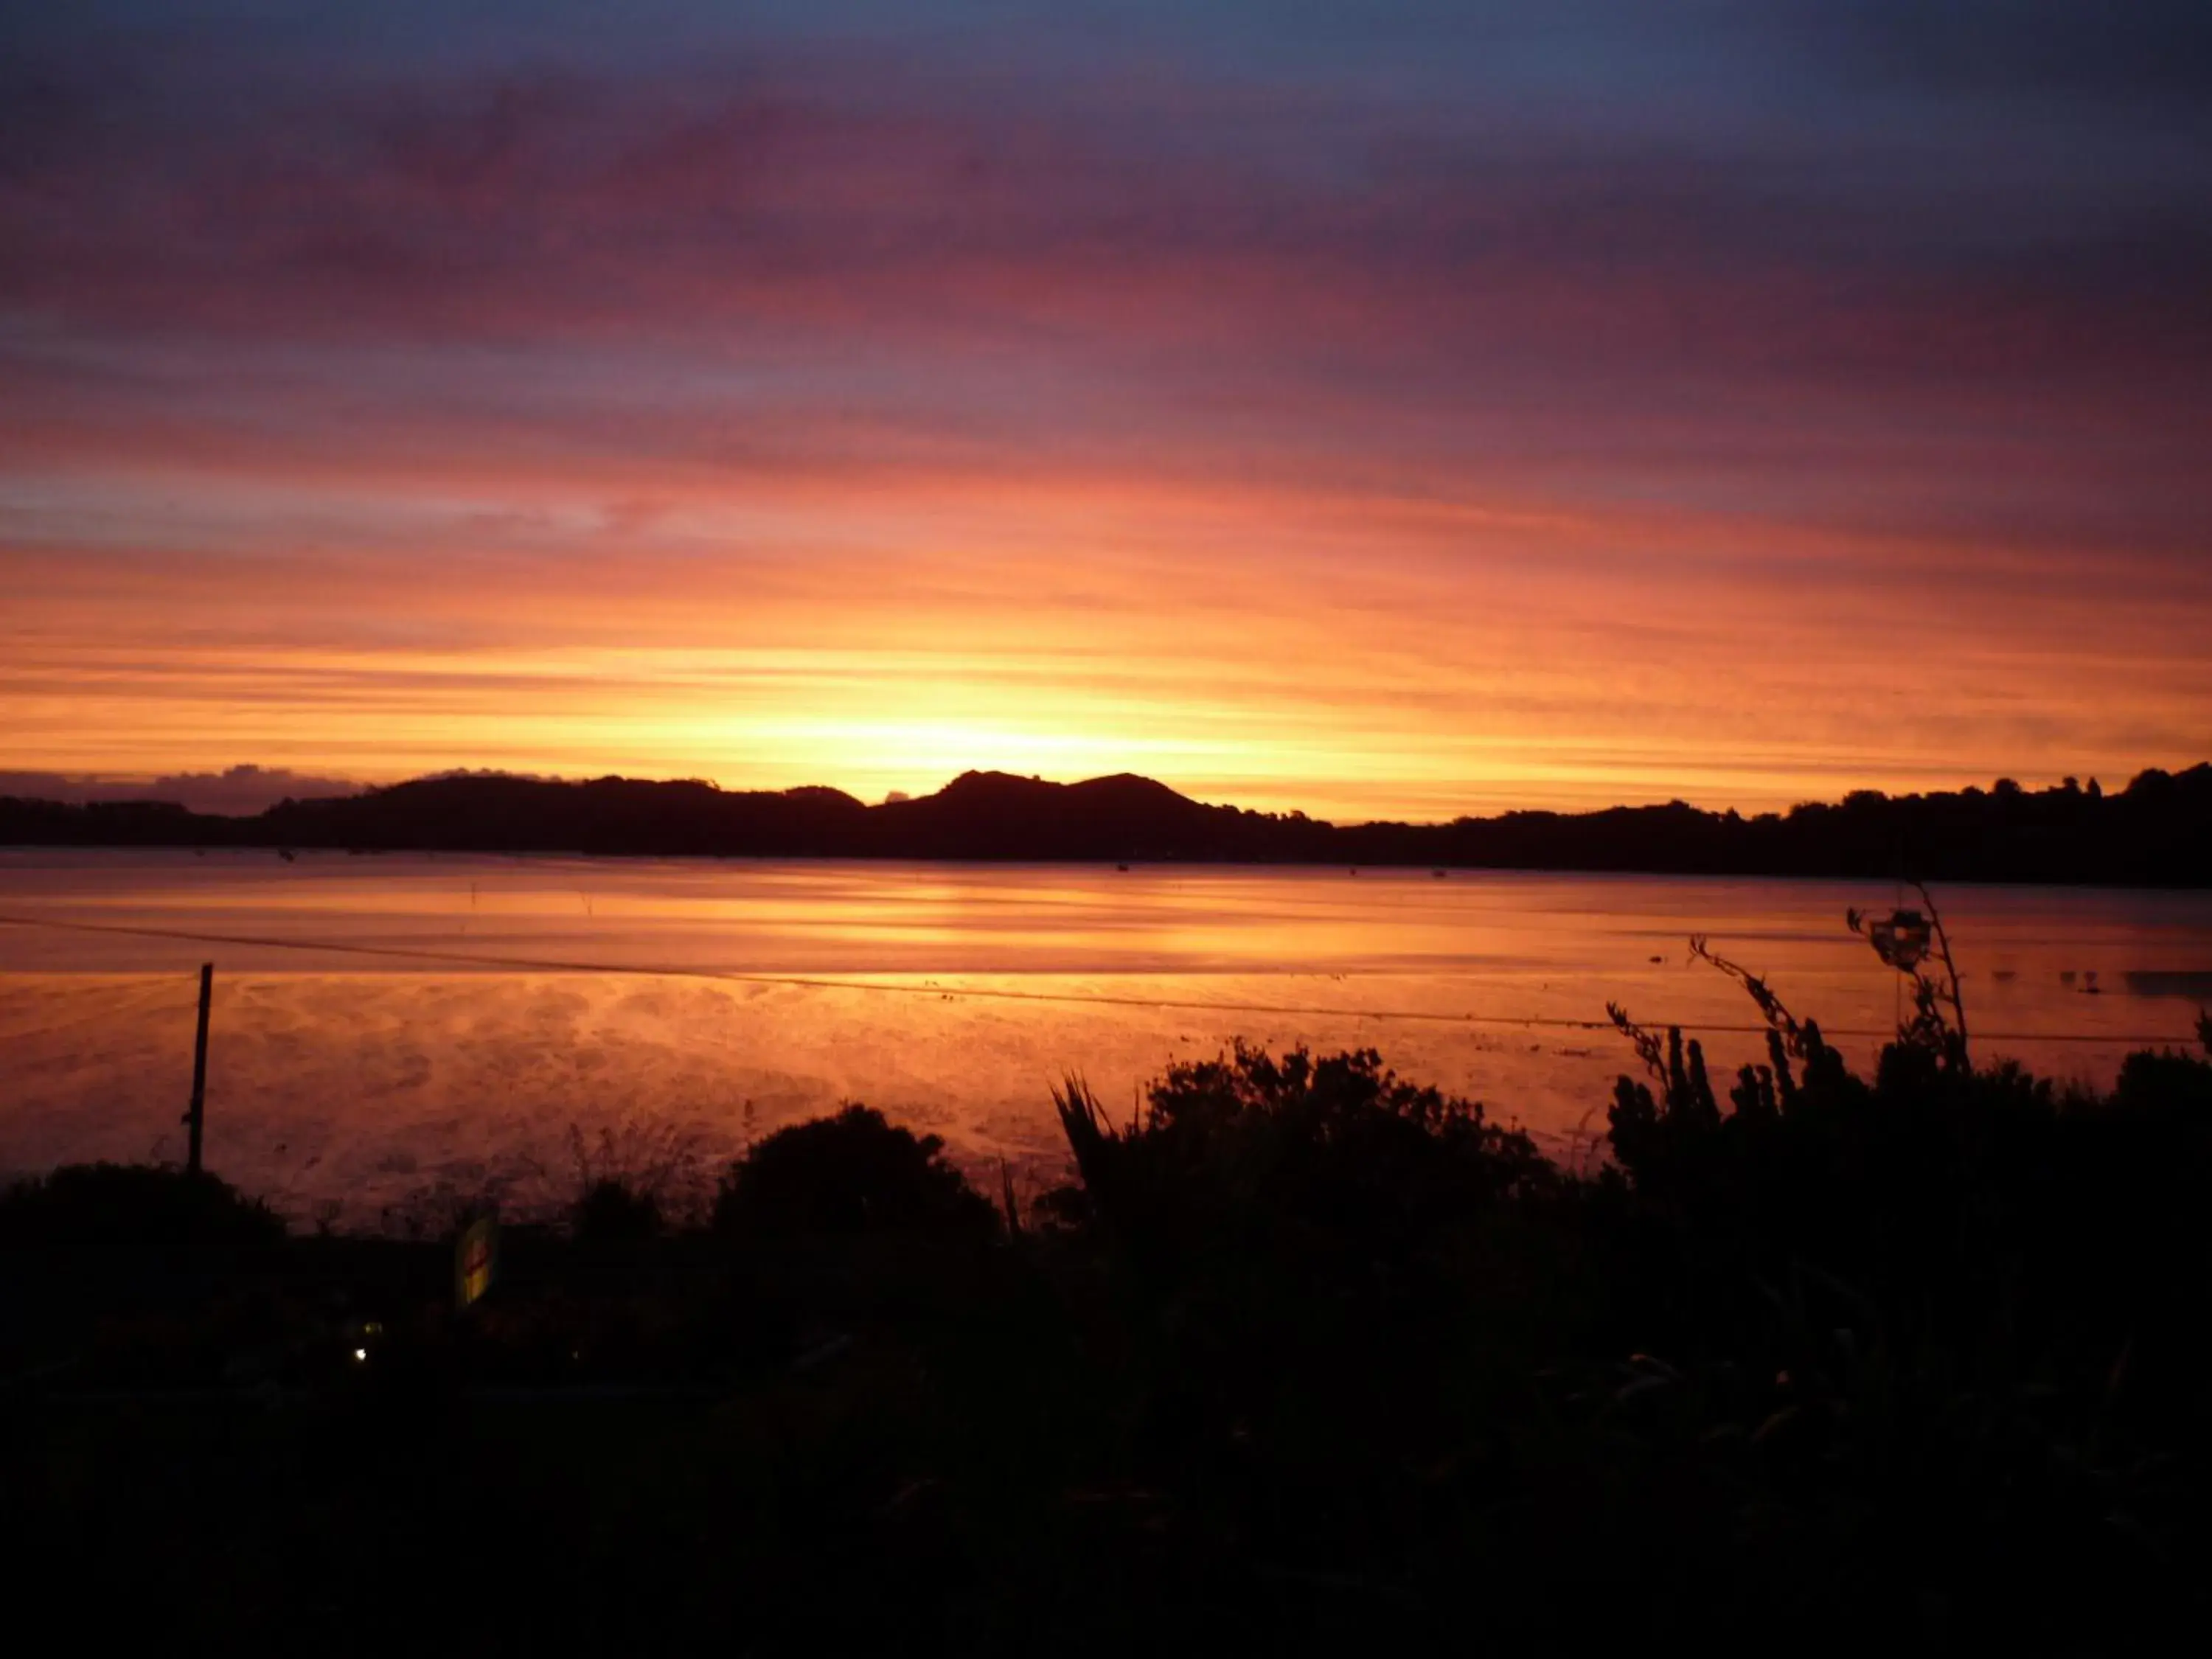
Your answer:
<point x="1132" y="867"/>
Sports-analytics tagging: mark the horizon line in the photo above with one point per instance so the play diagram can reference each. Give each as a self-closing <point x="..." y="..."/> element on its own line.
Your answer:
<point x="332" y="787"/>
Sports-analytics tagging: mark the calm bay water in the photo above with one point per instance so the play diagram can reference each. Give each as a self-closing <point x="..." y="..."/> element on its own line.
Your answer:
<point x="726" y="998"/>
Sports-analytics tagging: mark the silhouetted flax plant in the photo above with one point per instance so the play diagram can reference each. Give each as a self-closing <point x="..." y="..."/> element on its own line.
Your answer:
<point x="1930" y="1027"/>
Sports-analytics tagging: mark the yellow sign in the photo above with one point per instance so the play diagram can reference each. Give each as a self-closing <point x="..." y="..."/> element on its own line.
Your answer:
<point x="476" y="1257"/>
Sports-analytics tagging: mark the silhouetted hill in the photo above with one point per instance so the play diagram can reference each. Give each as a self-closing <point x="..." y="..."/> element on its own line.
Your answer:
<point x="109" y="823"/>
<point x="2154" y="833"/>
<point x="995" y="815"/>
<point x="606" y="815"/>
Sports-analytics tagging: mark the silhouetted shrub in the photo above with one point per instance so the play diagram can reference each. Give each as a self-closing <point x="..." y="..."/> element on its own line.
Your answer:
<point x="1937" y="1339"/>
<point x="1943" y="1197"/>
<point x="445" y="1207"/>
<point x="119" y="1215"/>
<point x="850" y="1175"/>
<point x="1338" y="1155"/>
<point x="635" y="1176"/>
<point x="1306" y="1244"/>
<point x="611" y="1213"/>
<point x="2164" y="1083"/>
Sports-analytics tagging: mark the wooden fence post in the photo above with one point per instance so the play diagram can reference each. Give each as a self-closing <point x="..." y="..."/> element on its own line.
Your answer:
<point x="197" y="1116"/>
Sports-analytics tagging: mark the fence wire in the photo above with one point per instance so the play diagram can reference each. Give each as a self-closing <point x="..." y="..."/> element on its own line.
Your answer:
<point x="1002" y="994"/>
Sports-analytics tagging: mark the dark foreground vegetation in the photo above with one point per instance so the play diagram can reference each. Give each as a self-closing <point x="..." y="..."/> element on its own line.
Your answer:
<point x="1305" y="1356"/>
<point x="2152" y="833"/>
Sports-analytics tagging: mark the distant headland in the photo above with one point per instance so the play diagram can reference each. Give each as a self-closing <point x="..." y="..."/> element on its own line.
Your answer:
<point x="2156" y="832"/>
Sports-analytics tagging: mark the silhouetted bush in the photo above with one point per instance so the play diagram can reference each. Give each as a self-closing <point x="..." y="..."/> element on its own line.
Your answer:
<point x="2162" y="1085"/>
<point x="850" y="1175"/>
<point x="634" y="1178"/>
<point x="1295" y="1158"/>
<point x="110" y="1215"/>
<point x="1933" y="1188"/>
<point x="1956" y="1318"/>
<point x="1305" y="1249"/>
<point x="610" y="1212"/>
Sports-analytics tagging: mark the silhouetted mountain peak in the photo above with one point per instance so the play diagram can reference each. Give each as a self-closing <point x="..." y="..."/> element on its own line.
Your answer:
<point x="976" y="786"/>
<point x="1131" y="786"/>
<point x="822" y="795"/>
<point x="1120" y="789"/>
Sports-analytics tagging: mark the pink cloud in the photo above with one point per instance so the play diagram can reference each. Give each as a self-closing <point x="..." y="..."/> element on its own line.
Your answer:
<point x="1459" y="441"/>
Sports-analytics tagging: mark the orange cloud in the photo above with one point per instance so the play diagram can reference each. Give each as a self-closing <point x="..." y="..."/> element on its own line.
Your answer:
<point x="1397" y="455"/>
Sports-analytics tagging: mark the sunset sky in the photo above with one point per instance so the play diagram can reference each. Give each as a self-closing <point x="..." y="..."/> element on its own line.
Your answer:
<point x="1379" y="408"/>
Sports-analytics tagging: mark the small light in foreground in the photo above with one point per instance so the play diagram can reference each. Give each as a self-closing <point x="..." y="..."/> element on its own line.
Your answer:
<point x="360" y="1353"/>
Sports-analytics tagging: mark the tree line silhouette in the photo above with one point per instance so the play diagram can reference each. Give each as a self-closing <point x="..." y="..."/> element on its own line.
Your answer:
<point x="2150" y="833"/>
